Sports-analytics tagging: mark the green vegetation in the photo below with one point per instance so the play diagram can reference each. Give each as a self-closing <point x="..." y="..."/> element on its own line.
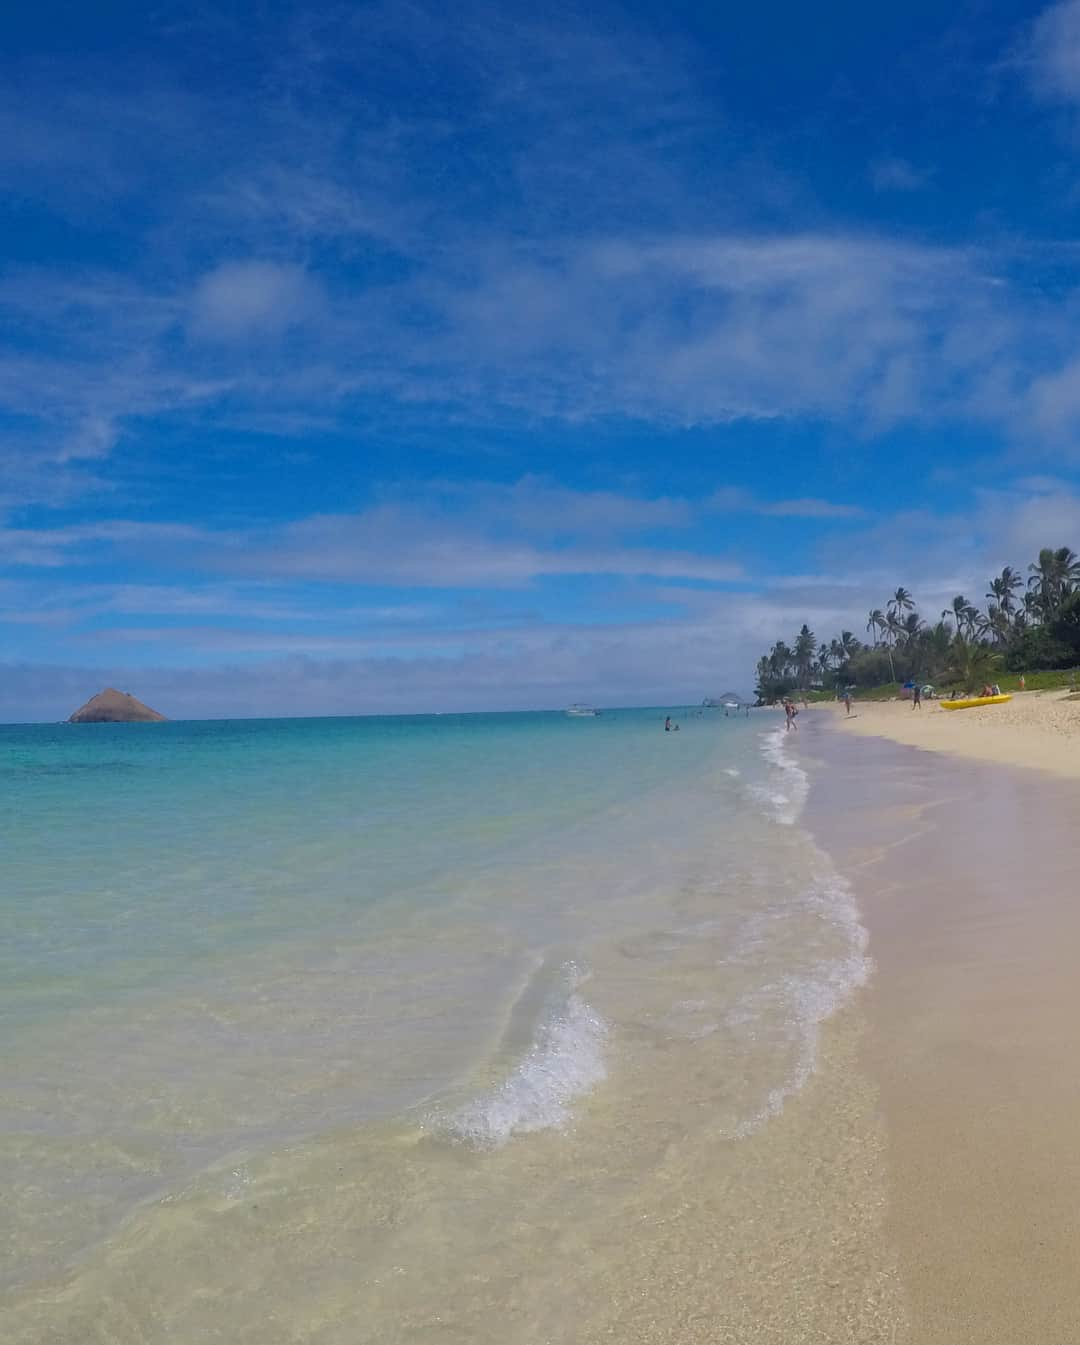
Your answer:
<point x="1032" y="625"/>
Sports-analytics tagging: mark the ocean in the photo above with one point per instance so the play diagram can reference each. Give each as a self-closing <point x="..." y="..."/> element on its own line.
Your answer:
<point x="407" y="1029"/>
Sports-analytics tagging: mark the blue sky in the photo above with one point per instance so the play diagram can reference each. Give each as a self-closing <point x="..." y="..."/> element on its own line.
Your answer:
<point x="361" y="358"/>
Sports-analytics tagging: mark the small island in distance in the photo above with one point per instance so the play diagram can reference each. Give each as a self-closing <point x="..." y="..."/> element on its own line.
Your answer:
<point x="115" y="707"/>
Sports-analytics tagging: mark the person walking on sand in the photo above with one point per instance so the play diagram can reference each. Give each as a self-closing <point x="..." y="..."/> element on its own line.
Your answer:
<point x="847" y="699"/>
<point x="916" y="697"/>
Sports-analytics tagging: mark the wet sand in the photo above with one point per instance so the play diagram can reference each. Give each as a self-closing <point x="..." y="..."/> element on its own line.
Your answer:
<point x="923" y="1188"/>
<point x="1040" y="729"/>
<point x="966" y="877"/>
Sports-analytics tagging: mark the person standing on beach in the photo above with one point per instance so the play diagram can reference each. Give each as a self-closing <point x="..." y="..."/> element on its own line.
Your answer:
<point x="791" y="712"/>
<point x="916" y="697"/>
<point x="847" y="699"/>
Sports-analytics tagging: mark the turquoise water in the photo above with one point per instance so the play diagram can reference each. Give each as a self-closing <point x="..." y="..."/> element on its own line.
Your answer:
<point x="138" y="855"/>
<point x="226" y="940"/>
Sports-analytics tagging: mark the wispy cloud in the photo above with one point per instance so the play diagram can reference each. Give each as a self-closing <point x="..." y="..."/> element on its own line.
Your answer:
<point x="737" y="500"/>
<point x="811" y="508"/>
<point x="306" y="207"/>
<point x="1050" y="52"/>
<point x="685" y="331"/>
<point x="253" y="299"/>
<point x="70" y="543"/>
<point x="484" y="536"/>
<point x="340" y="226"/>
<point x="895" y="174"/>
<point x="405" y="546"/>
<point x="373" y="658"/>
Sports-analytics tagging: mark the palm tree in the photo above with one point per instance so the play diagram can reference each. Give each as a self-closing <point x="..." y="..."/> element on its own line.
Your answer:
<point x="803" y="654"/>
<point x="937" y="642"/>
<point x="780" y="660"/>
<point x="901" y="602"/>
<point x="963" y="641"/>
<point x="960" y="611"/>
<point x="971" y="665"/>
<point x="1053" y="577"/>
<point x="1042" y="583"/>
<point x="911" y="626"/>
<point x="997" y="620"/>
<point x="1010" y="582"/>
<point x="1003" y="587"/>
<point x="892" y="635"/>
<point x="849" y="646"/>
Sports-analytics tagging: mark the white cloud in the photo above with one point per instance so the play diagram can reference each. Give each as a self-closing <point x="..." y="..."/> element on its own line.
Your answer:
<point x="734" y="499"/>
<point x="1051" y="52"/>
<point x="94" y="437"/>
<point x="592" y="288"/>
<point x="370" y="660"/>
<point x="704" y="329"/>
<point x="72" y="543"/>
<point x="893" y="174"/>
<point x="1055" y="399"/>
<point x="407" y="546"/>
<point x="244" y="299"/>
<point x="534" y="505"/>
<point x="447" y="536"/>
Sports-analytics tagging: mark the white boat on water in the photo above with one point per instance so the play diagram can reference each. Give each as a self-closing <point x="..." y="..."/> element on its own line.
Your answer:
<point x="730" y="700"/>
<point x="581" y="711"/>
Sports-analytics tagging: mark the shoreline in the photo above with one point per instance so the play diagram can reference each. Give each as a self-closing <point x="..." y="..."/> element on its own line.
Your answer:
<point x="1036" y="729"/>
<point x="964" y="877"/>
<point x="711" y="1169"/>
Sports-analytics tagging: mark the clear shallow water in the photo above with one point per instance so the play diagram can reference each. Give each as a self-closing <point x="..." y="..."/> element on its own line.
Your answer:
<point x="242" y="954"/>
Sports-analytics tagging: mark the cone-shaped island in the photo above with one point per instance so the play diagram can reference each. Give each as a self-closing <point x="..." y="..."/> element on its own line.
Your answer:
<point x="115" y="707"/>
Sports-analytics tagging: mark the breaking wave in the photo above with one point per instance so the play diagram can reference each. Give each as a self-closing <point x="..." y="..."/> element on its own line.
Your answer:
<point x="786" y="792"/>
<point x="564" y="1062"/>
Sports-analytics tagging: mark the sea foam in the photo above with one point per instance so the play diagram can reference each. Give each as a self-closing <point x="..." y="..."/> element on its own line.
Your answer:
<point x="783" y="798"/>
<point x="563" y="1063"/>
<point x="808" y="999"/>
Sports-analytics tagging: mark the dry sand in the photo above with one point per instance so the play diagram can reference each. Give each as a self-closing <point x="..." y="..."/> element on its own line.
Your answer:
<point x="1040" y="729"/>
<point x="966" y="876"/>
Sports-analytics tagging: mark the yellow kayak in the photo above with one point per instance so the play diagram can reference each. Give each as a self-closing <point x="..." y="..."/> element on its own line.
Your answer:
<point x="975" y="700"/>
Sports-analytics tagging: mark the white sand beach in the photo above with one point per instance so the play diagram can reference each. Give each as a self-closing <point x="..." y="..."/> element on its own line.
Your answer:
<point x="1039" y="729"/>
